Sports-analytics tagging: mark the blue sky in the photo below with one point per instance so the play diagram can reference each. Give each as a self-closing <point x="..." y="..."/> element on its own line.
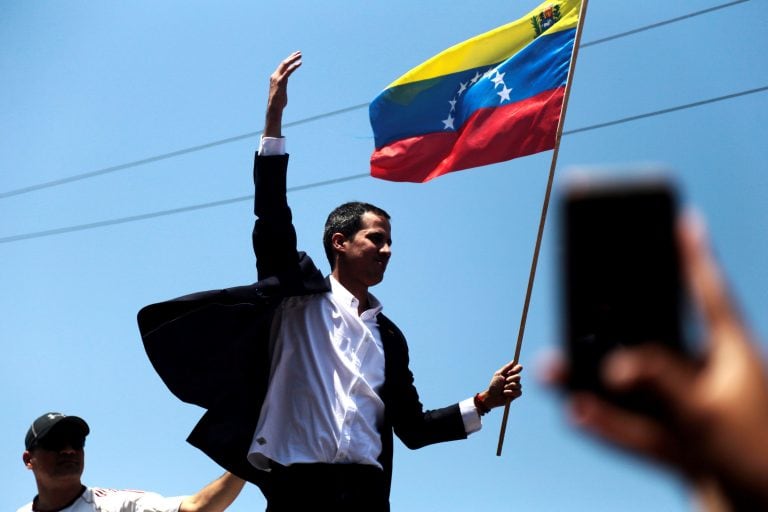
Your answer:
<point x="91" y="85"/>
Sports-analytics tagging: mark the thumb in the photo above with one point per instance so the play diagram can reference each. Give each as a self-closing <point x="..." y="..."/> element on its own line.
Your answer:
<point x="652" y="369"/>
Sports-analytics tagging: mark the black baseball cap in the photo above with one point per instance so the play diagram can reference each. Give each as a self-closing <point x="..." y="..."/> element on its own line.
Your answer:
<point x="45" y="423"/>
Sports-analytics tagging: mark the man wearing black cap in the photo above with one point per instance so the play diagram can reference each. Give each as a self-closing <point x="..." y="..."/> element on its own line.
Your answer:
<point x="54" y="452"/>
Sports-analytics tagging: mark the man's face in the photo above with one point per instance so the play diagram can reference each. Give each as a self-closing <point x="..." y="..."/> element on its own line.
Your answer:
<point x="366" y="254"/>
<point x="58" y="459"/>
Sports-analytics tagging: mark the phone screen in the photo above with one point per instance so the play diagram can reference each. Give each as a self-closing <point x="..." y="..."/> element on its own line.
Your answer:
<point x="622" y="281"/>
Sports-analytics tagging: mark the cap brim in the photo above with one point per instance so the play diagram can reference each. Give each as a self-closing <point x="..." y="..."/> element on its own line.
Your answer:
<point x="79" y="425"/>
<point x="75" y="421"/>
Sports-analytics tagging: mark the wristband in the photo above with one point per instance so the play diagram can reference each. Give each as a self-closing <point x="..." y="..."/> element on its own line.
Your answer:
<point x="480" y="405"/>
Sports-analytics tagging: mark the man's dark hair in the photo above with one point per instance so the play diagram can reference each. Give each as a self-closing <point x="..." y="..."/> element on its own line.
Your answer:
<point x="347" y="220"/>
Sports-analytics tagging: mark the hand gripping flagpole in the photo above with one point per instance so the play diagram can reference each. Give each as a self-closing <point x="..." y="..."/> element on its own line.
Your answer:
<point x="544" y="208"/>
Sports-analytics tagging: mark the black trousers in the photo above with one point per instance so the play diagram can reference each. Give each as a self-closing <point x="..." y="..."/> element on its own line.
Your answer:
<point x="336" y="487"/>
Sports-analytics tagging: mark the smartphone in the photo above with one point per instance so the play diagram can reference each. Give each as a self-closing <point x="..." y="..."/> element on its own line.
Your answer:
<point x="622" y="283"/>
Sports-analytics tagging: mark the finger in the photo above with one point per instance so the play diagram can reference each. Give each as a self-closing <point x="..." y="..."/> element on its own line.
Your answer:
<point x="653" y="369"/>
<point x="703" y="276"/>
<point x="287" y="67"/>
<point x="623" y="429"/>
<point x="506" y="368"/>
<point x="511" y="368"/>
<point x="552" y="369"/>
<point x="280" y="78"/>
<point x="293" y="66"/>
<point x="289" y="60"/>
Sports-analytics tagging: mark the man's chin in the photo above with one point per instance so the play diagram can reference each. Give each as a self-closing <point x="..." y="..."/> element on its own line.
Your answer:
<point x="69" y="469"/>
<point x="376" y="279"/>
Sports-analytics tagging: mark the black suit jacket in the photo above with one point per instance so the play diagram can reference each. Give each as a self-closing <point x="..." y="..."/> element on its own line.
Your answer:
<point x="211" y="348"/>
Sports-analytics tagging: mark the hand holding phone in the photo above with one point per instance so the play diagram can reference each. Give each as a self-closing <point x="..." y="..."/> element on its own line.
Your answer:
<point x="715" y="437"/>
<point x="621" y="273"/>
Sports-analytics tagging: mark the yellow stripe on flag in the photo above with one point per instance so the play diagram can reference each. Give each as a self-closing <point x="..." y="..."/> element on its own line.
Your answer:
<point x="494" y="46"/>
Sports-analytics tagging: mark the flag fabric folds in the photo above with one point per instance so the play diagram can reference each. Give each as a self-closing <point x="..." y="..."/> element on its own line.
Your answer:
<point x="489" y="99"/>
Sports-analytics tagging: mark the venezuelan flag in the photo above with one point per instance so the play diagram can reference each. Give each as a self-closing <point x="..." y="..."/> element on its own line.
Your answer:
<point x="489" y="99"/>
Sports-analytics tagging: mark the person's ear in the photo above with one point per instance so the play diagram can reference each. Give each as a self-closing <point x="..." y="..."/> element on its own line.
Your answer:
<point x="337" y="242"/>
<point x="27" y="458"/>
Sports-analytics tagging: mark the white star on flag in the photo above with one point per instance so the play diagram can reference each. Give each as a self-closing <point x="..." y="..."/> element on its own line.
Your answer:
<point x="448" y="122"/>
<point x="504" y="94"/>
<point x="498" y="80"/>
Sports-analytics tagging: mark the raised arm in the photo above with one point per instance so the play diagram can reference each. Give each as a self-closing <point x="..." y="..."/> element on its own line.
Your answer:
<point x="214" y="497"/>
<point x="274" y="238"/>
<point x="278" y="94"/>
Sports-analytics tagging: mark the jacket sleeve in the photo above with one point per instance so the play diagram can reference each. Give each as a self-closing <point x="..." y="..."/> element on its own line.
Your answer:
<point x="274" y="237"/>
<point x="414" y="426"/>
<point x="282" y="269"/>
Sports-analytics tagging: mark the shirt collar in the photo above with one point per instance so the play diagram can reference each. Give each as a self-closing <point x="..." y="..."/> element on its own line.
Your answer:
<point x="345" y="297"/>
<point x="83" y="491"/>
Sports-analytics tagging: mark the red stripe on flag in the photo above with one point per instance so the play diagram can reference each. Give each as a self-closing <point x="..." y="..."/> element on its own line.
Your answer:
<point x="490" y="135"/>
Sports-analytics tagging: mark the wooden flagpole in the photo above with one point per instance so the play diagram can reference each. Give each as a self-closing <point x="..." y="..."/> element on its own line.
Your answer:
<point x="544" y="208"/>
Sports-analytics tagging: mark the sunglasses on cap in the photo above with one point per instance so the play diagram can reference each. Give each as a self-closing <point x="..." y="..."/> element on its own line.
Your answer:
<point x="57" y="441"/>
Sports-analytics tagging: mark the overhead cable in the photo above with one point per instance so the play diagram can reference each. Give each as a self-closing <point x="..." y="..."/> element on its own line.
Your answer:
<point x="201" y="147"/>
<point x="212" y="204"/>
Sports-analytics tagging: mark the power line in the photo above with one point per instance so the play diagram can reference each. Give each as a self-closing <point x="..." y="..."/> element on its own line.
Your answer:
<point x="212" y="204"/>
<point x="163" y="213"/>
<point x="193" y="149"/>
<point x="165" y="156"/>
<point x="662" y="23"/>
<point x="665" y="111"/>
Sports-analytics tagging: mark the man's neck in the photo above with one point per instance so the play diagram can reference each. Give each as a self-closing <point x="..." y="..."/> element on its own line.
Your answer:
<point x="358" y="291"/>
<point x="57" y="498"/>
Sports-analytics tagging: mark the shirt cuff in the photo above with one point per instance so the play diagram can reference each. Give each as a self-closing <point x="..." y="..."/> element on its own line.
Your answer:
<point x="270" y="146"/>
<point x="470" y="416"/>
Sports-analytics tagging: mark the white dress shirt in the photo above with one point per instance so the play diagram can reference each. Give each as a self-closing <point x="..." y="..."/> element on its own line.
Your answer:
<point x="327" y="368"/>
<point x="323" y="403"/>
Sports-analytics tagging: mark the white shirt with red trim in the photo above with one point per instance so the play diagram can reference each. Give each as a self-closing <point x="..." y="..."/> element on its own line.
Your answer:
<point x="96" y="499"/>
